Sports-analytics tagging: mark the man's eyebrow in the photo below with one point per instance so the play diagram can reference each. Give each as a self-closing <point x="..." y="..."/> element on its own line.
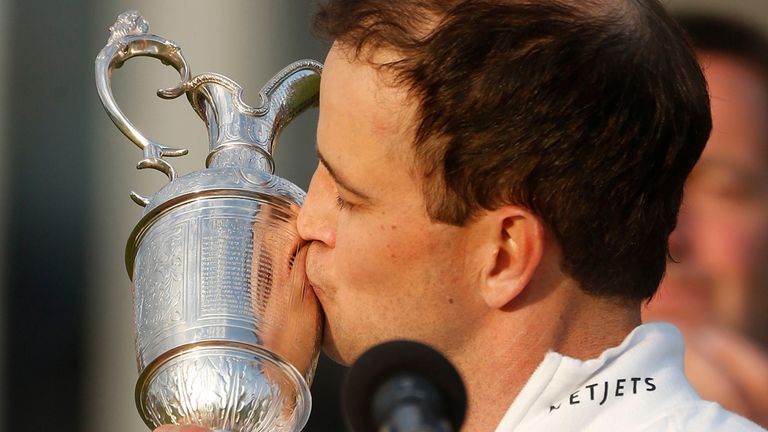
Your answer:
<point x="745" y="175"/>
<point x="338" y="179"/>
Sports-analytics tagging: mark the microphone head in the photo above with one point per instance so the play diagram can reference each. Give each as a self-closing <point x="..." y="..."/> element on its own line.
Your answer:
<point x="385" y="361"/>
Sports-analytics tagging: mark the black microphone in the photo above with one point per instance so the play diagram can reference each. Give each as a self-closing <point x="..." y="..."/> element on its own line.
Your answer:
<point x="403" y="386"/>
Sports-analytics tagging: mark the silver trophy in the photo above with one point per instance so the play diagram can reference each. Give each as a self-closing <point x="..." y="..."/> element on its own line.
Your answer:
<point x="227" y="328"/>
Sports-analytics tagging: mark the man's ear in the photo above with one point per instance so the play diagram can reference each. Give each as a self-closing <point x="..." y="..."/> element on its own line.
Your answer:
<point x="513" y="246"/>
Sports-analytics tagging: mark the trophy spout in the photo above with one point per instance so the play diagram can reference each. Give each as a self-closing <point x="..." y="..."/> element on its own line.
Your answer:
<point x="242" y="136"/>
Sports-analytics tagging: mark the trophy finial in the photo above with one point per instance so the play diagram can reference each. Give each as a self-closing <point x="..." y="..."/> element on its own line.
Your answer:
<point x="128" y="23"/>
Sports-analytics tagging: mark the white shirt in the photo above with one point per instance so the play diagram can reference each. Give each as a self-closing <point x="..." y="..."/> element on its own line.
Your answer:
<point x="636" y="386"/>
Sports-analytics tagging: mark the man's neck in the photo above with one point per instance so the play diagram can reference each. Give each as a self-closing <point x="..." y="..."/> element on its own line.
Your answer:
<point x="513" y="341"/>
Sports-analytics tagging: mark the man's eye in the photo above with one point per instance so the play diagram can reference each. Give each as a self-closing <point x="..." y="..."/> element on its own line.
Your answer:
<point x="343" y="204"/>
<point x="723" y="189"/>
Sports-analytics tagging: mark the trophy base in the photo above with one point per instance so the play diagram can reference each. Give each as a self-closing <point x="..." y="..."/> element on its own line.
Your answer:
<point x="223" y="386"/>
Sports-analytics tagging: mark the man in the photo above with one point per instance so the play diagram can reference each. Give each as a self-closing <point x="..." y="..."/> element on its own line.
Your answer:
<point x="716" y="288"/>
<point x="498" y="179"/>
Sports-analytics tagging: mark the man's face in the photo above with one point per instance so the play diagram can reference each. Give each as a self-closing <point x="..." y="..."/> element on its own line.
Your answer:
<point x="722" y="236"/>
<point x="380" y="267"/>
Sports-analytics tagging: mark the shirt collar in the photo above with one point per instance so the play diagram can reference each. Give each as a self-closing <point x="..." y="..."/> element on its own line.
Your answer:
<point x="646" y="369"/>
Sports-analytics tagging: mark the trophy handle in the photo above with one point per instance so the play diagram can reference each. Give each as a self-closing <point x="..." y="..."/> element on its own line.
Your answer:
<point x="129" y="38"/>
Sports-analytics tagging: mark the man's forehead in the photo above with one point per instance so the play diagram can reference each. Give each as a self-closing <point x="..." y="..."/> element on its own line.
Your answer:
<point x="365" y="55"/>
<point x="727" y="75"/>
<point x="739" y="98"/>
<point x="354" y="87"/>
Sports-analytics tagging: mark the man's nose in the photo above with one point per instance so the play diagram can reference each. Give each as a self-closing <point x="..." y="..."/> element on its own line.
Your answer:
<point x="679" y="242"/>
<point x="317" y="217"/>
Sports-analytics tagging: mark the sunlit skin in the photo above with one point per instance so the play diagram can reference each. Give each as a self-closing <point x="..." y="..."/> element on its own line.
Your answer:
<point x="380" y="238"/>
<point x="717" y="292"/>
<point x="490" y="295"/>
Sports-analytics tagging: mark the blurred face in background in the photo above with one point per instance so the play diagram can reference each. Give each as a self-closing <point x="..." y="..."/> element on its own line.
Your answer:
<point x="720" y="277"/>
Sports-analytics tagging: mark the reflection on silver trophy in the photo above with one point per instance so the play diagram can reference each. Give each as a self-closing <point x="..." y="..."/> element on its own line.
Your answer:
<point x="227" y="328"/>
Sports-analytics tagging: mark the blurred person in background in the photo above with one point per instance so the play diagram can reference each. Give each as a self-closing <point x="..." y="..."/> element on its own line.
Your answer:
<point x="716" y="285"/>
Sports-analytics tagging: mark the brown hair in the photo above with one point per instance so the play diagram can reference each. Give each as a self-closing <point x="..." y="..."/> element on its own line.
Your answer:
<point x="589" y="115"/>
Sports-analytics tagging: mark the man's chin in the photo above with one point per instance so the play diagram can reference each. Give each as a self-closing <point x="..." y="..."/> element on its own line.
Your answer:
<point x="678" y="313"/>
<point x="683" y="299"/>
<point x="330" y="348"/>
<point x="334" y="354"/>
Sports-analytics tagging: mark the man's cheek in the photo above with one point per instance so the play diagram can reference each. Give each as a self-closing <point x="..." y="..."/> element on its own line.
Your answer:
<point x="723" y="246"/>
<point x="356" y="268"/>
<point x="757" y="253"/>
<point x="744" y="250"/>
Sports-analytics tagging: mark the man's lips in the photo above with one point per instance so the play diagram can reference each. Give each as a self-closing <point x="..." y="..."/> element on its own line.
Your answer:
<point x="311" y="280"/>
<point x="685" y="293"/>
<point x="310" y="268"/>
<point x="315" y="287"/>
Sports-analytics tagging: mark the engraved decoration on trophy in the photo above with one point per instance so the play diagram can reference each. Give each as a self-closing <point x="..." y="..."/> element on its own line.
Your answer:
<point x="227" y="328"/>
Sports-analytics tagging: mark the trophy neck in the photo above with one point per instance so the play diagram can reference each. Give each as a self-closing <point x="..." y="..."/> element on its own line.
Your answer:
<point x="240" y="136"/>
<point x="243" y="136"/>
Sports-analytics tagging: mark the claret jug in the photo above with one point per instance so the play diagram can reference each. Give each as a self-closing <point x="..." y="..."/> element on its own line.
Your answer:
<point x="227" y="328"/>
